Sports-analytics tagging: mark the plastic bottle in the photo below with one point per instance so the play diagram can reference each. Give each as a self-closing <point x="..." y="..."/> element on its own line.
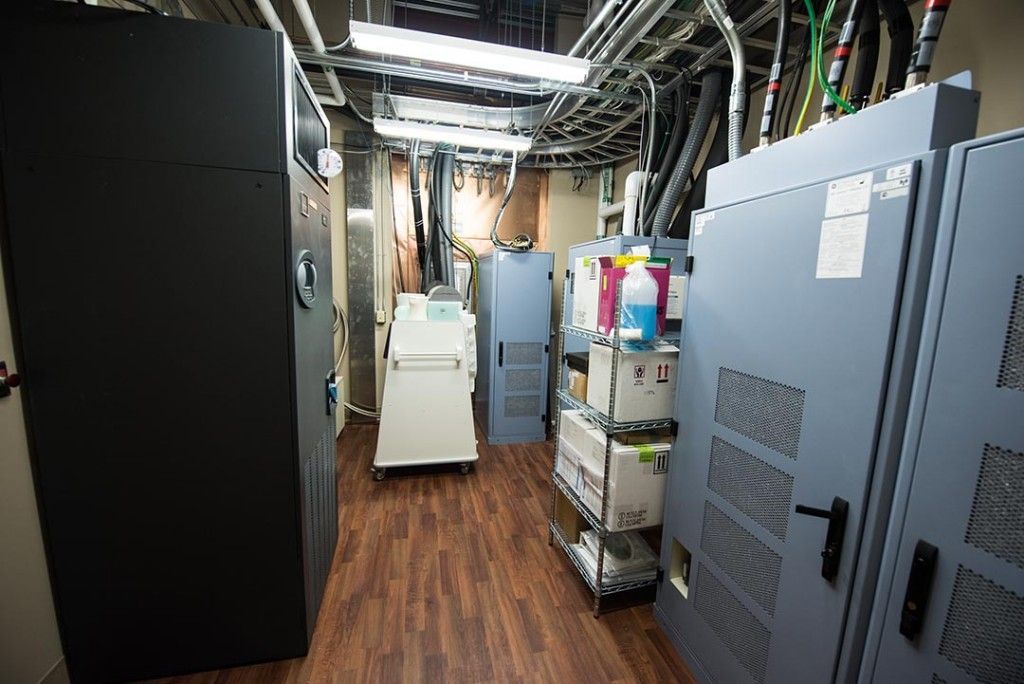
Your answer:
<point x="639" y="302"/>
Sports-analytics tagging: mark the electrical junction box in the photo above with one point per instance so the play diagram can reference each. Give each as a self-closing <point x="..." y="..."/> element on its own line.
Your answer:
<point x="803" y="320"/>
<point x="514" y="337"/>
<point x="645" y="381"/>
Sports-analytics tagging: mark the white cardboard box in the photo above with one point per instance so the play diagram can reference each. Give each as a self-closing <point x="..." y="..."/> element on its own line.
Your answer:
<point x="676" y="297"/>
<point x="574" y="426"/>
<point x="586" y="293"/>
<point x="645" y="386"/>
<point x="636" y="482"/>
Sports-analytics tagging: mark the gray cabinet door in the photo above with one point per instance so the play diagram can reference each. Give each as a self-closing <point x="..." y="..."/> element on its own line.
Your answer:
<point x="791" y="313"/>
<point x="521" y="323"/>
<point x="962" y="473"/>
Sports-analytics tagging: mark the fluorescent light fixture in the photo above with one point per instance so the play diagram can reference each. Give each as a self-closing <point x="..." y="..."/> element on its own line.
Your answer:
<point x="465" y="137"/>
<point x="473" y="54"/>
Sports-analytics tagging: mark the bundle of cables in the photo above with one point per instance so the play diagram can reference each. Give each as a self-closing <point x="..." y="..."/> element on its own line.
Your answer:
<point x="521" y="242"/>
<point x="818" y="73"/>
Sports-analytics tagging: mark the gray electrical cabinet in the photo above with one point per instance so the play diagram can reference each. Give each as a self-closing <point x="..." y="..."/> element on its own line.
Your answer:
<point x="805" y="299"/>
<point x="513" y="338"/>
<point x="167" y="243"/>
<point x="950" y="605"/>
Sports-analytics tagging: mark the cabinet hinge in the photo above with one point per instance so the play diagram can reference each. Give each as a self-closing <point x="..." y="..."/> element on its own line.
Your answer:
<point x="688" y="264"/>
<point x="661" y="574"/>
<point x="551" y="275"/>
<point x="674" y="429"/>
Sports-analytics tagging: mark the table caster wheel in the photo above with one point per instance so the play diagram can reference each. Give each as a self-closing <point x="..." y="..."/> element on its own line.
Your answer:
<point x="379" y="473"/>
<point x="464" y="468"/>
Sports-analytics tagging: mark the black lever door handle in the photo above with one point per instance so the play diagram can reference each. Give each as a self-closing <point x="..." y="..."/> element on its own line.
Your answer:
<point x="919" y="584"/>
<point x="832" y="551"/>
<point x="501" y="354"/>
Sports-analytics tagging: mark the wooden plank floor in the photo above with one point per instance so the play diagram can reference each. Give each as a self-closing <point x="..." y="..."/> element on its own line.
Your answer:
<point x="444" y="577"/>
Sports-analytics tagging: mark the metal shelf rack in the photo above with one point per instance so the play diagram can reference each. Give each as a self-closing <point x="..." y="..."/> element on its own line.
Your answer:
<point x="610" y="428"/>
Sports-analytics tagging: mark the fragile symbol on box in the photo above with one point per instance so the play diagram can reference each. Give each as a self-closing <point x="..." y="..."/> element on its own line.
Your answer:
<point x="662" y="372"/>
<point x="639" y="372"/>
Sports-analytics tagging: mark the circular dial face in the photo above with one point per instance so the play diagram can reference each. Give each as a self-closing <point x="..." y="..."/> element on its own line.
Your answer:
<point x="328" y="162"/>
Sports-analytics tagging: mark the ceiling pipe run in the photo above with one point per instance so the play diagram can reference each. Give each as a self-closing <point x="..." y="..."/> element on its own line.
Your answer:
<point x="317" y="41"/>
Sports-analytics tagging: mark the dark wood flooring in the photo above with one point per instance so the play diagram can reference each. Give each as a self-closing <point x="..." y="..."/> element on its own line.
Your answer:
<point x="444" y="577"/>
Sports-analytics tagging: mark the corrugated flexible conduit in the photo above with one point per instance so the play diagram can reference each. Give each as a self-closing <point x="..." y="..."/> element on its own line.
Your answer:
<point x="710" y="87"/>
<point x="738" y="90"/>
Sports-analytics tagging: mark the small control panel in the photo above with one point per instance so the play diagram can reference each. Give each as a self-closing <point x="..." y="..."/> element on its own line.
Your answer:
<point x="305" y="279"/>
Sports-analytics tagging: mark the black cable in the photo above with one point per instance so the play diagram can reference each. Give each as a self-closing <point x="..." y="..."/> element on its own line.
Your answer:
<point x="900" y="27"/>
<point x="797" y="76"/>
<point x="841" y="54"/>
<point x="679" y="130"/>
<point x="775" y="76"/>
<point x="867" y="56"/>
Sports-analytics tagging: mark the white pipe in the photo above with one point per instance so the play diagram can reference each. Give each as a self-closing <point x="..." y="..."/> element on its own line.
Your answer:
<point x="606" y="212"/>
<point x="317" y="41"/>
<point x="634" y="185"/>
<point x="270" y="16"/>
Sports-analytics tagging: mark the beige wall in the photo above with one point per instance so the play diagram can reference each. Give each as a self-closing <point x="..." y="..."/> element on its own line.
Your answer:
<point x="29" y="643"/>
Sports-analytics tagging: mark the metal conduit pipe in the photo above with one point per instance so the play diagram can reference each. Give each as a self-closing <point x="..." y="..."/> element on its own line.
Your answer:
<point x="315" y="39"/>
<point x="709" y="90"/>
<point x="738" y="90"/>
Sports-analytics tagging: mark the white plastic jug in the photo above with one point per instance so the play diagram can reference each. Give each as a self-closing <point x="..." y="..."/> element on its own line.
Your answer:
<point x="639" y="303"/>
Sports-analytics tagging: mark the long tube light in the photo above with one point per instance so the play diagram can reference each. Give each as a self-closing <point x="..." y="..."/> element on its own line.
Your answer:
<point x="475" y="54"/>
<point x="465" y="137"/>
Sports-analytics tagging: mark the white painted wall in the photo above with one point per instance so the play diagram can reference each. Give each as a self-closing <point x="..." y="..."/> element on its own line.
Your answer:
<point x="29" y="643"/>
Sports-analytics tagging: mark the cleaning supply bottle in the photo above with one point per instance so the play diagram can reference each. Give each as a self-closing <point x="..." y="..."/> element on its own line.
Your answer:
<point x="639" y="303"/>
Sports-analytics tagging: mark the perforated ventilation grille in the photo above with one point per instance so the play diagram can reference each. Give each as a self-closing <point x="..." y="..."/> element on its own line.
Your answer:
<point x="321" y="513"/>
<point x="996" y="524"/>
<point x="936" y="679"/>
<point x="984" y="629"/>
<point x="522" y="380"/>
<point x="524" y="353"/>
<point x="745" y="637"/>
<point x="750" y="564"/>
<point x="761" y="491"/>
<point x="525" y="406"/>
<point x="1011" y="368"/>
<point x="765" y="411"/>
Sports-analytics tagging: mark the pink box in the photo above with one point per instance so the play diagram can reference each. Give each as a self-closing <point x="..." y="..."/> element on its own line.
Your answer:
<point x="613" y="269"/>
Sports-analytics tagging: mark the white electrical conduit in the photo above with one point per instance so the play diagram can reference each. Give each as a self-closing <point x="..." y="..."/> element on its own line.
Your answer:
<point x="738" y="91"/>
<point x="316" y="40"/>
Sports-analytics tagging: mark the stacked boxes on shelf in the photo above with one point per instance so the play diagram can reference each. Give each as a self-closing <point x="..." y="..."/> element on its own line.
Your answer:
<point x="616" y="403"/>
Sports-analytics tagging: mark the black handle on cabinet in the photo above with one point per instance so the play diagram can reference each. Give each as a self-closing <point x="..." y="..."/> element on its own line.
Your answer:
<point x="919" y="585"/>
<point x="501" y="354"/>
<point x="832" y="551"/>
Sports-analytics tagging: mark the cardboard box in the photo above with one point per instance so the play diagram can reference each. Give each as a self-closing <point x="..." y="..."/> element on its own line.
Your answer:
<point x="586" y="292"/>
<point x="645" y="387"/>
<point x="568" y="518"/>
<point x="613" y="270"/>
<point x="573" y="425"/>
<point x="676" y="297"/>
<point x="636" y="478"/>
<point x="578" y="384"/>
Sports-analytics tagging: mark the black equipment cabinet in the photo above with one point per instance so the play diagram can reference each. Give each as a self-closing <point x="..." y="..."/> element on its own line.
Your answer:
<point x="167" y="247"/>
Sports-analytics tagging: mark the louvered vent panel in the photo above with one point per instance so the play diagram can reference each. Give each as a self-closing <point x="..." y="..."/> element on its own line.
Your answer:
<point x="996" y="524"/>
<point x="765" y="411"/>
<point x="1011" y="367"/>
<point x="984" y="629"/>
<point x="742" y="633"/>
<point x="751" y="564"/>
<point x="760" y="490"/>
<point x="524" y="353"/>
<point x="523" y="380"/>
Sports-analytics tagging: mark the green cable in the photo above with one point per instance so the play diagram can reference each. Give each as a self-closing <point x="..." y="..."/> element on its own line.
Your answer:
<point x="820" y="51"/>
<point x="811" y="20"/>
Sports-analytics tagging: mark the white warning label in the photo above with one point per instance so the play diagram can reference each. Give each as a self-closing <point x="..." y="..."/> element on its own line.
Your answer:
<point x="841" y="247"/>
<point x="700" y="220"/>
<point x="850" y="195"/>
